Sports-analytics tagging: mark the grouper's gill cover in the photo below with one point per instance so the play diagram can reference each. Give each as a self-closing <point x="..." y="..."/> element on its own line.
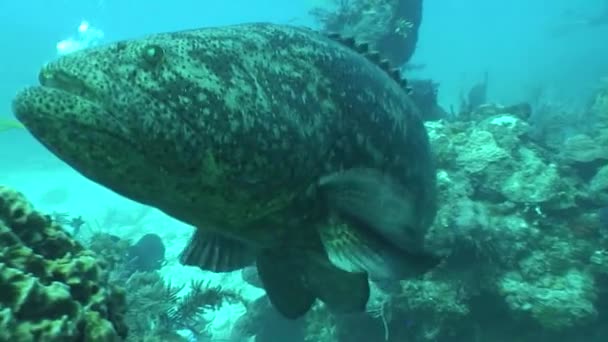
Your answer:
<point x="280" y="145"/>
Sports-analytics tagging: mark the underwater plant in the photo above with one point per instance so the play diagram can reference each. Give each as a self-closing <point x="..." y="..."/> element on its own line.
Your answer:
<point x="66" y="220"/>
<point x="157" y="310"/>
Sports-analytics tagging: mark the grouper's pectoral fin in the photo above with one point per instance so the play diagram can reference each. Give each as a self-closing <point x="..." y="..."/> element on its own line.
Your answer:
<point x="294" y="279"/>
<point x="213" y="252"/>
<point x="357" y="249"/>
<point x="373" y="229"/>
<point x="374" y="199"/>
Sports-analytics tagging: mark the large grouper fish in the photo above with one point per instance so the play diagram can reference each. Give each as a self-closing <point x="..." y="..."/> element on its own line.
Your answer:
<point x="287" y="149"/>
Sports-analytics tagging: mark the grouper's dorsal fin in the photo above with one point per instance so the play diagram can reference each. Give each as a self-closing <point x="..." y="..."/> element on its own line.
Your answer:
<point x="374" y="56"/>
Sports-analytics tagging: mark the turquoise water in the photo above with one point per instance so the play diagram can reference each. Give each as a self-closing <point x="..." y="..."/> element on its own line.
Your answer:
<point x="533" y="51"/>
<point x="523" y="44"/>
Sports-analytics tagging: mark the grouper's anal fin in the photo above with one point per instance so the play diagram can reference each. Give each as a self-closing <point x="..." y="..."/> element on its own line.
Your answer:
<point x="294" y="279"/>
<point x="283" y="283"/>
<point x="343" y="292"/>
<point x="216" y="253"/>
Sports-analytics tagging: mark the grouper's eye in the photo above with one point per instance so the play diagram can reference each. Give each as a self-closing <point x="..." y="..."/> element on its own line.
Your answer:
<point x="153" y="55"/>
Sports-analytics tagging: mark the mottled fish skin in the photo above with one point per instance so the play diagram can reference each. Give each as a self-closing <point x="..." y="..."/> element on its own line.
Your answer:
<point x="227" y="128"/>
<point x="603" y="217"/>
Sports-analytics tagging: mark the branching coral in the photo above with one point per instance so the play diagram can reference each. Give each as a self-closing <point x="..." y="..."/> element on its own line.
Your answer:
<point x="519" y="230"/>
<point x="156" y="309"/>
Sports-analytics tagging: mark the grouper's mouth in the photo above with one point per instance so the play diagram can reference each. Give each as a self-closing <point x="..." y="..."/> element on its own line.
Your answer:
<point x="64" y="103"/>
<point x="70" y="120"/>
<point x="60" y="96"/>
<point x="66" y="82"/>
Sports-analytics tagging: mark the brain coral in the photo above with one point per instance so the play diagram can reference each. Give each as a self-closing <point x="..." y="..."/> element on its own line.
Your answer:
<point x="51" y="287"/>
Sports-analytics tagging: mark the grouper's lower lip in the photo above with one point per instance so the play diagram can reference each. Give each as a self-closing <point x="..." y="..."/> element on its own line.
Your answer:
<point x="51" y="101"/>
<point x="61" y="120"/>
<point x="44" y="110"/>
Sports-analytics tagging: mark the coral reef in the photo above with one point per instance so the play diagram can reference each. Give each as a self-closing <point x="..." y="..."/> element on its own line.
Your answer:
<point x="54" y="289"/>
<point x="556" y="302"/>
<point x="599" y="105"/>
<point x="519" y="226"/>
<point x="391" y="27"/>
<point x="156" y="310"/>
<point x="598" y="185"/>
<point x="582" y="148"/>
<point x="525" y="251"/>
<point x="51" y="287"/>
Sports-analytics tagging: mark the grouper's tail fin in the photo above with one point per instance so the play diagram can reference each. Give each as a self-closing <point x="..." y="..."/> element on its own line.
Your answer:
<point x="294" y="279"/>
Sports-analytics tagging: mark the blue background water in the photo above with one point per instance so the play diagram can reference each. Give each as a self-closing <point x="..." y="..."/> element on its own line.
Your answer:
<point x="514" y="40"/>
<point x="523" y="44"/>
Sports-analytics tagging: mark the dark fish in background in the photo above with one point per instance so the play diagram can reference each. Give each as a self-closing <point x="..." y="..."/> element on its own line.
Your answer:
<point x="147" y="254"/>
<point x="477" y="95"/>
<point x="284" y="147"/>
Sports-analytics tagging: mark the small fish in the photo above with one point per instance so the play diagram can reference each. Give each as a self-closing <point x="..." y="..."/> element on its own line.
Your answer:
<point x="7" y="124"/>
<point x="76" y="223"/>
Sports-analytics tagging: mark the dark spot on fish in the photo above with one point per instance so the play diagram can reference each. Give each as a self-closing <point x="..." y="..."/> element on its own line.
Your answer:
<point x="133" y="74"/>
